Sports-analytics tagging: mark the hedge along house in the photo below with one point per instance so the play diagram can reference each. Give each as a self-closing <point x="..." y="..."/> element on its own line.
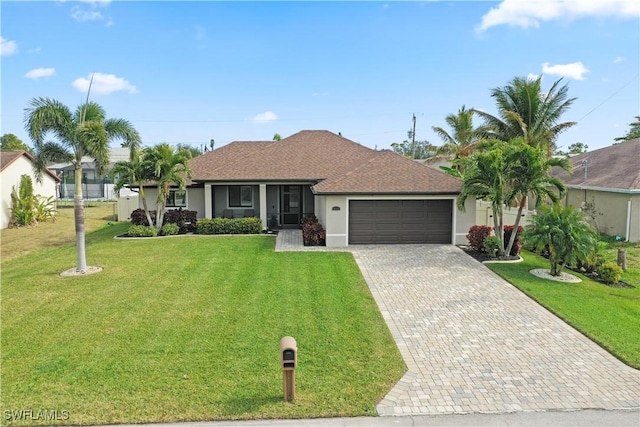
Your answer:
<point x="360" y="195"/>
<point x="605" y="184"/>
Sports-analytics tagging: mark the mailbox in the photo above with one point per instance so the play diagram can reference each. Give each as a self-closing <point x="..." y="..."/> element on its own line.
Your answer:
<point x="288" y="353"/>
<point x="289" y="360"/>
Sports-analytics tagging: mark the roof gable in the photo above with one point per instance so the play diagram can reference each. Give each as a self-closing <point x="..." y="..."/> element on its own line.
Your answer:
<point x="8" y="157"/>
<point x="613" y="167"/>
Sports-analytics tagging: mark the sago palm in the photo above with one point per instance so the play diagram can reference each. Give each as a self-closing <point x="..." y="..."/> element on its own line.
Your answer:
<point x="85" y="132"/>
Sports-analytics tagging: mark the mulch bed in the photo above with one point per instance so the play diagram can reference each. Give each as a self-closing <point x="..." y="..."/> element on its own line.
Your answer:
<point x="482" y="256"/>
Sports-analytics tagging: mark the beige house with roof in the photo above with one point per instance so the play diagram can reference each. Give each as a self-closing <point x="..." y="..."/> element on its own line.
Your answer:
<point x="360" y="195"/>
<point x="14" y="164"/>
<point x="605" y="184"/>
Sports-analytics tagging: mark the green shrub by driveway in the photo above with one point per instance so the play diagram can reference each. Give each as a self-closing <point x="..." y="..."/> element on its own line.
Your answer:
<point x="188" y="329"/>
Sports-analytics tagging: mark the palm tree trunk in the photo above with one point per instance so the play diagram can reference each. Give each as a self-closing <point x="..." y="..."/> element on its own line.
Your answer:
<point x="78" y="211"/>
<point x="144" y="205"/>
<point x="512" y="239"/>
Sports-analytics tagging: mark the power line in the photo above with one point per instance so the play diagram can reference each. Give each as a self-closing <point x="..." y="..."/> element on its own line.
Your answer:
<point x="610" y="96"/>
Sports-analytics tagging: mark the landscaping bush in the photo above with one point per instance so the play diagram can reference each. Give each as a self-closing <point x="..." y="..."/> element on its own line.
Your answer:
<point x="610" y="272"/>
<point x="313" y="233"/>
<point x="517" y="244"/>
<point x="492" y="245"/>
<point x="142" y="231"/>
<point x="250" y="225"/>
<point x="170" y="229"/>
<point x="185" y="219"/>
<point x="138" y="217"/>
<point x="477" y="235"/>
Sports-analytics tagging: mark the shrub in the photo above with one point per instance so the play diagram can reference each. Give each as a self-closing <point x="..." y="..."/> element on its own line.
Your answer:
<point x="492" y="245"/>
<point x="142" y="231"/>
<point x="517" y="244"/>
<point x="185" y="219"/>
<point x="45" y="209"/>
<point x="170" y="229"/>
<point x="250" y="225"/>
<point x="138" y="217"/>
<point x="610" y="272"/>
<point x="477" y="235"/>
<point x="313" y="233"/>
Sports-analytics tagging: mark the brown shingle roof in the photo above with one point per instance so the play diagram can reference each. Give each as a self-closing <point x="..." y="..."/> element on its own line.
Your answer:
<point x="389" y="172"/>
<point x="7" y="157"/>
<point x="613" y="167"/>
<point x="338" y="164"/>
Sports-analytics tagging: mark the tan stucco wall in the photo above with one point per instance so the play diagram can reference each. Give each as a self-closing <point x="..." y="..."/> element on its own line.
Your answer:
<point x="10" y="177"/>
<point x="336" y="222"/>
<point x="610" y="211"/>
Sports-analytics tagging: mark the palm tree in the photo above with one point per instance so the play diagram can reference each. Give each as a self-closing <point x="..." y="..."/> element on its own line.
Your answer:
<point x="485" y="179"/>
<point x="83" y="132"/>
<point x="133" y="173"/>
<point x="464" y="137"/>
<point x="527" y="170"/>
<point x="525" y="111"/>
<point x="564" y="232"/>
<point x="167" y="167"/>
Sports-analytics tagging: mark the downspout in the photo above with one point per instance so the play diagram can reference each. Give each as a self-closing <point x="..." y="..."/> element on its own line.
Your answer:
<point x="628" y="230"/>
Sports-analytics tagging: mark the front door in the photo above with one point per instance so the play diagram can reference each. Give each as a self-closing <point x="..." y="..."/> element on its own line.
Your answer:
<point x="291" y="204"/>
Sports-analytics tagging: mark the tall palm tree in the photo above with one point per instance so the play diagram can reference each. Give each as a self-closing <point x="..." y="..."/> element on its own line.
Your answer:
<point x="462" y="140"/>
<point x="525" y="110"/>
<point x="83" y="132"/>
<point x="132" y="172"/>
<point x="167" y="167"/>
<point x="528" y="174"/>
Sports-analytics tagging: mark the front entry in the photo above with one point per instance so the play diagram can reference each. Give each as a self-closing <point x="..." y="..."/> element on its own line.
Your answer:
<point x="290" y="205"/>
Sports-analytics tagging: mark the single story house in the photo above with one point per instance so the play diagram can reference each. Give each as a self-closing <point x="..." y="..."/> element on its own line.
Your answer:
<point x="605" y="184"/>
<point x="359" y="195"/>
<point x="14" y="164"/>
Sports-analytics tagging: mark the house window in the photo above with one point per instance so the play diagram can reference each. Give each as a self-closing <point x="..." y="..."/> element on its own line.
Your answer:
<point x="177" y="199"/>
<point x="240" y="196"/>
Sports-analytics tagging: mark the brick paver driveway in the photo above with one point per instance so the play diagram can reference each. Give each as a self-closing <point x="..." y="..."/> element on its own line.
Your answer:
<point x="474" y="343"/>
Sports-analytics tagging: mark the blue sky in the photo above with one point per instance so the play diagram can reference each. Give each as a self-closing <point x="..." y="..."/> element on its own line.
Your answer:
<point x="187" y="72"/>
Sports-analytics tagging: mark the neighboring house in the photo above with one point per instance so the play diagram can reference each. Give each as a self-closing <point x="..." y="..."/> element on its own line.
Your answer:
<point x="359" y="195"/>
<point x="14" y="164"/>
<point x="605" y="184"/>
<point x="94" y="187"/>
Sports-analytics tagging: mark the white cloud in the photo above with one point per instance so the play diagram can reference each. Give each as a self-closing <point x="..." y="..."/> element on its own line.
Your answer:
<point x="266" y="117"/>
<point x="7" y="47"/>
<point x="575" y="70"/>
<point x="532" y="76"/>
<point x="104" y="84"/>
<point x="526" y="13"/>
<point x="37" y="73"/>
<point x="82" y="15"/>
<point x="619" y="59"/>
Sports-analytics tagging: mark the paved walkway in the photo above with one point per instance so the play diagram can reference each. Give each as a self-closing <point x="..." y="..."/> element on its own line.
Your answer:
<point x="475" y="344"/>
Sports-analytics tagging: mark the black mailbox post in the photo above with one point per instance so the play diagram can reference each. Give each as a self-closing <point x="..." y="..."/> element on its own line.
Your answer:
<point x="289" y="361"/>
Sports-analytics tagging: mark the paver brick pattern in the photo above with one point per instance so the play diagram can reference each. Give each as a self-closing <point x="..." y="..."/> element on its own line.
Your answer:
<point x="474" y="343"/>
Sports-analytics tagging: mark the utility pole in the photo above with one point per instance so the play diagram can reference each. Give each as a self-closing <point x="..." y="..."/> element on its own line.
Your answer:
<point x="413" y="138"/>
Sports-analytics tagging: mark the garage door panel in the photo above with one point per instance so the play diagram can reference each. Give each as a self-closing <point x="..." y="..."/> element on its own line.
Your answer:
<point x="400" y="221"/>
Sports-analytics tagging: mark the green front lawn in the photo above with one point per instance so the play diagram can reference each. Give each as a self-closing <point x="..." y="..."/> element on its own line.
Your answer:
<point x="188" y="328"/>
<point x="609" y="316"/>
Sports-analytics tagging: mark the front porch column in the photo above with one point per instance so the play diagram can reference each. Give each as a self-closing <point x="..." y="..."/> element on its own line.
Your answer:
<point x="207" y="201"/>
<point x="263" y="205"/>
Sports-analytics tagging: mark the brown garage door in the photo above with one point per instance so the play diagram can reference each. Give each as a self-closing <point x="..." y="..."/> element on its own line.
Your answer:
<point x="400" y="221"/>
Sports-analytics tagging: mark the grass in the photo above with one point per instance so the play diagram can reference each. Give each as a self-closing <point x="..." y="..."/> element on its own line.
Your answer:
<point x="609" y="316"/>
<point x="18" y="242"/>
<point x="188" y="328"/>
